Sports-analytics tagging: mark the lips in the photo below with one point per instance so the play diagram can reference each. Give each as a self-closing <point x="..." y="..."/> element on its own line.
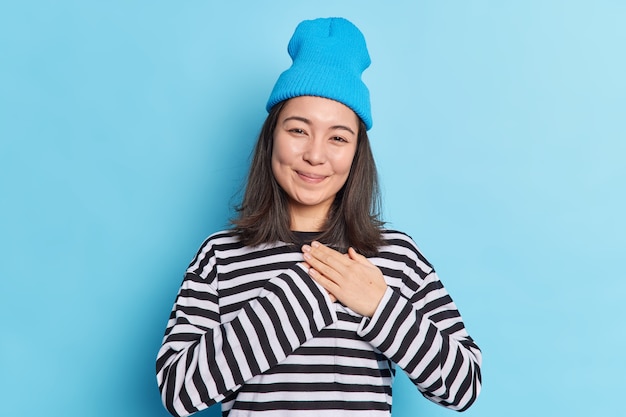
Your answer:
<point x="310" y="177"/>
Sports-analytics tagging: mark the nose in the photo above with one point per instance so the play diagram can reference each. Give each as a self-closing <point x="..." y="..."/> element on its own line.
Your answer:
<point x="315" y="152"/>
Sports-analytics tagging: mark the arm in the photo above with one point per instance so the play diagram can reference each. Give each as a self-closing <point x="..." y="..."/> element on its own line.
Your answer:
<point x="417" y="326"/>
<point x="426" y="337"/>
<point x="201" y="361"/>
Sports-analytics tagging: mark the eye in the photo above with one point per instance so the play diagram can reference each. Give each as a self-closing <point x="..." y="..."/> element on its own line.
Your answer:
<point x="338" y="139"/>
<point x="297" y="131"/>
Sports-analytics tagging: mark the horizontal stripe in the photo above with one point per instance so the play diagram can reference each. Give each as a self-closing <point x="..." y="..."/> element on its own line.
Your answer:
<point x="292" y="405"/>
<point x="250" y="328"/>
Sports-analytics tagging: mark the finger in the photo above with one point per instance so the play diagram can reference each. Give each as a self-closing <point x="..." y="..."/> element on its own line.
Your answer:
<point x="329" y="256"/>
<point x="321" y="256"/>
<point x="355" y="256"/>
<point x="330" y="286"/>
<point x="309" y="269"/>
<point x="320" y="267"/>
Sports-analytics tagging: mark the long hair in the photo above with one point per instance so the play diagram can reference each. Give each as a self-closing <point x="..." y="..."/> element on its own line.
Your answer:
<point x="353" y="219"/>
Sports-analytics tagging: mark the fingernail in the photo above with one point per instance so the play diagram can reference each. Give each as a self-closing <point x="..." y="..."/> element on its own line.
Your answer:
<point x="307" y="256"/>
<point x="306" y="248"/>
<point x="315" y="244"/>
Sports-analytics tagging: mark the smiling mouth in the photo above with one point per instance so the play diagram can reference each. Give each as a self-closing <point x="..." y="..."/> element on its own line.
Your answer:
<point x="311" y="178"/>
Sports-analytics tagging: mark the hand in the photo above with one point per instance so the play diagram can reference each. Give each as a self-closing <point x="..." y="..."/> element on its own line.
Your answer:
<point x="352" y="279"/>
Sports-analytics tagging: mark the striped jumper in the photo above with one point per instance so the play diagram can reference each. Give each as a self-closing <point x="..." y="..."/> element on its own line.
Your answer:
<point x="252" y="330"/>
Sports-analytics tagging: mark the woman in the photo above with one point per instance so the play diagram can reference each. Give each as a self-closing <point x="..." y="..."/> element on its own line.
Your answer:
<point x="307" y="305"/>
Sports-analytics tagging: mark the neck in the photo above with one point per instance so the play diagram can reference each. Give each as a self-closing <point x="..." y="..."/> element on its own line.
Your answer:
<point x="307" y="219"/>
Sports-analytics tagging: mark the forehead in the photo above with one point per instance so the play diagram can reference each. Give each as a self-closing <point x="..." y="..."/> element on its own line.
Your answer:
<point x="320" y="111"/>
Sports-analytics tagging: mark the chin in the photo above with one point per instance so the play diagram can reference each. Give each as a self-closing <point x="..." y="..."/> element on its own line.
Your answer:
<point x="311" y="202"/>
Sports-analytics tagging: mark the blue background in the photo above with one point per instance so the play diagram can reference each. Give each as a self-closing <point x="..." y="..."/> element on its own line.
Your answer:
<point x="125" y="132"/>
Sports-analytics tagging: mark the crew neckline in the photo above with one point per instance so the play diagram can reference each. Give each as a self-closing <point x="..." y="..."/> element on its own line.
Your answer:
<point x="305" y="237"/>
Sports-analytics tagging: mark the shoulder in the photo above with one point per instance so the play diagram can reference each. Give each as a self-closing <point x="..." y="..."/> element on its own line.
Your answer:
<point x="221" y="238"/>
<point x="397" y="239"/>
<point x="399" y="246"/>
<point x="205" y="256"/>
<point x="391" y="236"/>
<point x="226" y="248"/>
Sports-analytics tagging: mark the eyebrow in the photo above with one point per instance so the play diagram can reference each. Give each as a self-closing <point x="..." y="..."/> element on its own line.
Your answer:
<point x="308" y="122"/>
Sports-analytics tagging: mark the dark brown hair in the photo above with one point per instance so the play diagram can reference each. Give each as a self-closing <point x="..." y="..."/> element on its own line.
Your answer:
<point x="353" y="220"/>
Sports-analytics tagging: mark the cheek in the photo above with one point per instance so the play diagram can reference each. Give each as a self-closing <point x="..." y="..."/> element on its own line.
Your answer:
<point x="343" y="163"/>
<point x="280" y="167"/>
<point x="282" y="153"/>
<point x="276" y="167"/>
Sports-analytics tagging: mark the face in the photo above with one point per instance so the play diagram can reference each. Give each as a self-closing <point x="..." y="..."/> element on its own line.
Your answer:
<point x="315" y="140"/>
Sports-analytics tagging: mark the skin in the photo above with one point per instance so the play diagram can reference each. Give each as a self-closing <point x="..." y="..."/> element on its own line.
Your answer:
<point x="314" y="144"/>
<point x="351" y="279"/>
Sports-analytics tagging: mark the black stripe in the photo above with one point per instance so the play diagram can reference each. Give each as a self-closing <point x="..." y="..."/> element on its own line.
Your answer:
<point x="303" y="301"/>
<point x="423" y="350"/>
<point x="284" y="368"/>
<point x="252" y="269"/>
<point x="213" y="365"/>
<point x="316" y="387"/>
<point x="317" y="293"/>
<point x="199" y="312"/>
<point x="258" y="268"/>
<point x="406" y="242"/>
<point x="276" y="323"/>
<point x="258" y="325"/>
<point x="408" y="338"/>
<point x="384" y="317"/>
<point x="204" y="296"/>
<point x="233" y="365"/>
<point x="245" y="347"/>
<point x="465" y="385"/>
<point x="206" y="258"/>
<point x="425" y="290"/>
<point x="242" y="287"/>
<point x="161" y="360"/>
<point x="254" y="254"/>
<point x="339" y="351"/>
<point x="456" y="327"/>
<point x="402" y="317"/>
<point x="200" y="387"/>
<point x="310" y="405"/>
<point x="170" y="385"/>
<point x="293" y="319"/>
<point x="435" y="304"/>
<point x="183" y="337"/>
<point x="445" y="315"/>
<point x="474" y="391"/>
<point x="458" y="362"/>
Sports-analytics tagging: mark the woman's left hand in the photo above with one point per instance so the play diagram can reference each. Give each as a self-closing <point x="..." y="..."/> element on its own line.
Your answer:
<point x="352" y="279"/>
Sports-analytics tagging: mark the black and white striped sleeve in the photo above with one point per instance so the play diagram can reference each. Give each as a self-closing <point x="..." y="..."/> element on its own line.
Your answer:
<point x="202" y="361"/>
<point x="420" y="329"/>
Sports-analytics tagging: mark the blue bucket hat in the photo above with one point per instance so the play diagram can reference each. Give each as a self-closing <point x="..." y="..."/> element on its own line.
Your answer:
<point x="329" y="55"/>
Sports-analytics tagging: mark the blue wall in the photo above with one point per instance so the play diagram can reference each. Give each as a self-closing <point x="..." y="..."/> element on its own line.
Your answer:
<point x="125" y="131"/>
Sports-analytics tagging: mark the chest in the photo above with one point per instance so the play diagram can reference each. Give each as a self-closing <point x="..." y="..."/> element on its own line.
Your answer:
<point x="241" y="280"/>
